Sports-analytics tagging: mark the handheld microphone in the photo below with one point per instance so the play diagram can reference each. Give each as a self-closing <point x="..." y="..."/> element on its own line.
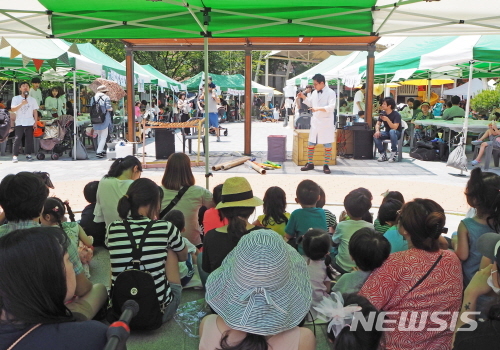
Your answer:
<point x="119" y="331"/>
<point x="26" y="94"/>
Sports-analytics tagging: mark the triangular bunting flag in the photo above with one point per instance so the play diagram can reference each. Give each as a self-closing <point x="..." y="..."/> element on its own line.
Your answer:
<point x="64" y="57"/>
<point x="13" y="52"/>
<point x="37" y="63"/>
<point x="74" y="49"/>
<point x="4" y="43"/>
<point x="26" y="60"/>
<point x="53" y="63"/>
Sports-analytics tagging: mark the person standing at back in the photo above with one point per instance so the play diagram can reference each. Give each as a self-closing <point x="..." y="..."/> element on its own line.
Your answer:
<point x="213" y="100"/>
<point x="36" y="92"/>
<point x="359" y="100"/>
<point x="102" y="129"/>
<point x="322" y="102"/>
<point x="455" y="110"/>
<point x="26" y="109"/>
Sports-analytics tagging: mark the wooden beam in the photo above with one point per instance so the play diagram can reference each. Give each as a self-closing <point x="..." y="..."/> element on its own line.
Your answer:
<point x="370" y="79"/>
<point x="248" y="102"/>
<point x="129" y="66"/>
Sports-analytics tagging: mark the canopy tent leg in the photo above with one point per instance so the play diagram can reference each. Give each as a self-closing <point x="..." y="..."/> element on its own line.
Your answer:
<point x="370" y="72"/>
<point x="74" y="114"/>
<point x="387" y="90"/>
<point x="248" y="102"/>
<point x="207" y="134"/>
<point x="338" y="98"/>
<point x="150" y="96"/>
<point x="266" y="76"/>
<point x="129" y="65"/>
<point x="429" y="85"/>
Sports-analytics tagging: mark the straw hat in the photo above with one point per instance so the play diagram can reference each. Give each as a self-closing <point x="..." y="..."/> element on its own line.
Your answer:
<point x="237" y="192"/>
<point x="102" y="88"/>
<point x="262" y="286"/>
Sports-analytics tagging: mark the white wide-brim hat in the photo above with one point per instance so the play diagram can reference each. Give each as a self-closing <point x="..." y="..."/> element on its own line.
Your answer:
<point x="262" y="286"/>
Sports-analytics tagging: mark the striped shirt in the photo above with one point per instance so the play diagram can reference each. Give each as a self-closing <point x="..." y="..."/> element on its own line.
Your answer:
<point x="163" y="236"/>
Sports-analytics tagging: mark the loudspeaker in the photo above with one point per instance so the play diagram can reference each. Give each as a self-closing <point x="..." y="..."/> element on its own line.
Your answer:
<point x="363" y="144"/>
<point x="164" y="143"/>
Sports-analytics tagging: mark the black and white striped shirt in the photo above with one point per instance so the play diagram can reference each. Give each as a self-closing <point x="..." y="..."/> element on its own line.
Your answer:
<point x="163" y="236"/>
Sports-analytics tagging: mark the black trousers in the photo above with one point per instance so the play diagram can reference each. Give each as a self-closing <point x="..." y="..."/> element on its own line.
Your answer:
<point x="28" y="132"/>
<point x="185" y="118"/>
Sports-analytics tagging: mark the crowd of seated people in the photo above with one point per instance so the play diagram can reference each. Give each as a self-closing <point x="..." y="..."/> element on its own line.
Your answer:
<point x="265" y="277"/>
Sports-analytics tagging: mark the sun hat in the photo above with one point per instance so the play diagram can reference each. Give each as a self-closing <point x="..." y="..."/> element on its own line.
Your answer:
<point x="237" y="192"/>
<point x="488" y="245"/>
<point x="262" y="286"/>
<point x="103" y="88"/>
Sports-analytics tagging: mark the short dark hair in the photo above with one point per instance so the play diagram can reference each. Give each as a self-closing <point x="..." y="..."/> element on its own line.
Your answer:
<point x="363" y="86"/>
<point x="390" y="102"/>
<point x="411" y="99"/>
<point x="122" y="164"/>
<point x="455" y="100"/>
<point x="320" y="78"/>
<point x="316" y="243"/>
<point x="178" y="172"/>
<point x="90" y="191"/>
<point x="44" y="175"/>
<point x="35" y="80"/>
<point x="322" y="198"/>
<point x="38" y="253"/>
<point x="416" y="104"/>
<point x="176" y="217"/>
<point x="22" y="196"/>
<point x="361" y="113"/>
<point x="307" y="192"/>
<point x="217" y="193"/>
<point x="357" y="203"/>
<point x="23" y="83"/>
<point x="449" y="104"/>
<point x="369" y="249"/>
<point x="423" y="220"/>
<point x="388" y="211"/>
<point x="394" y="195"/>
<point x="141" y="193"/>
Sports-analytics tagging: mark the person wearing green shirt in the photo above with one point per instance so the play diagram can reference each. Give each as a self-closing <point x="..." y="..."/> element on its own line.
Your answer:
<point x="424" y="113"/>
<point x="454" y="111"/>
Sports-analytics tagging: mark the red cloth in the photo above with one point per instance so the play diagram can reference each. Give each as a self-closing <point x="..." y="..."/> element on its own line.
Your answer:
<point x="212" y="220"/>
<point x="387" y="289"/>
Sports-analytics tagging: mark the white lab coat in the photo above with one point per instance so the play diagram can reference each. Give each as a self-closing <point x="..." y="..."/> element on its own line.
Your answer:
<point x="322" y="123"/>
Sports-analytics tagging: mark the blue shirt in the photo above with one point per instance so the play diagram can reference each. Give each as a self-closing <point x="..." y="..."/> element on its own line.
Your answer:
<point x="302" y="220"/>
<point x="398" y="243"/>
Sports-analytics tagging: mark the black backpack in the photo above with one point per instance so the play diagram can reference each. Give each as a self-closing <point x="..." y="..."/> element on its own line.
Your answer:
<point x="4" y="125"/>
<point x="423" y="153"/>
<point x="138" y="285"/>
<point x="97" y="116"/>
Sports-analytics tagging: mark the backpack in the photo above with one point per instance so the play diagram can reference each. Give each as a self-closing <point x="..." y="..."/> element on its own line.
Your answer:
<point x="422" y="153"/>
<point x="4" y="125"/>
<point x="97" y="116"/>
<point x="138" y="285"/>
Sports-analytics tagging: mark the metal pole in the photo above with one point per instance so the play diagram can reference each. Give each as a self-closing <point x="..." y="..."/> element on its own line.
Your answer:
<point x="207" y="134"/>
<point x="248" y="102"/>
<point x="129" y="63"/>
<point x="266" y="77"/>
<point x="429" y="85"/>
<point x="370" y="72"/>
<point x="467" y="108"/>
<point x="74" y="114"/>
<point x="338" y="98"/>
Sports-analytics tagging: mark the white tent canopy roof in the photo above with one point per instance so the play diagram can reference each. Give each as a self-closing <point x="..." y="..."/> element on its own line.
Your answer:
<point x="477" y="86"/>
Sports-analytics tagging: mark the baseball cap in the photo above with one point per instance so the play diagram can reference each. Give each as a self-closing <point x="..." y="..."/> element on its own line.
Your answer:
<point x="488" y="245"/>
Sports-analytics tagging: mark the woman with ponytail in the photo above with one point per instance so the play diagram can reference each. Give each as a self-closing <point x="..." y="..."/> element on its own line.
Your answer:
<point x="113" y="186"/>
<point x="423" y="278"/>
<point x="236" y="205"/>
<point x="163" y="247"/>
<point x="483" y="194"/>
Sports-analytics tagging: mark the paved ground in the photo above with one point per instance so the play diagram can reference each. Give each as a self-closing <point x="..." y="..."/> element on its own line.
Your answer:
<point x="413" y="178"/>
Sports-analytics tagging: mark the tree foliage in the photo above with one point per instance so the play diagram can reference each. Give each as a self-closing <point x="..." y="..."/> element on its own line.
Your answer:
<point x="486" y="101"/>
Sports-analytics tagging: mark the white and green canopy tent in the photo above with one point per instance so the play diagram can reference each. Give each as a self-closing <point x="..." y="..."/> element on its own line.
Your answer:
<point x="170" y="83"/>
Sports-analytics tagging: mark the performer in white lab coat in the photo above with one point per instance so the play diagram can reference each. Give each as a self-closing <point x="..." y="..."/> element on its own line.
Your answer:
<point x="322" y="102"/>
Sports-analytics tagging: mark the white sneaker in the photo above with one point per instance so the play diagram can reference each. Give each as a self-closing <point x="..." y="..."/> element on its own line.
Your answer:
<point x="393" y="157"/>
<point x="382" y="157"/>
<point x="14" y="159"/>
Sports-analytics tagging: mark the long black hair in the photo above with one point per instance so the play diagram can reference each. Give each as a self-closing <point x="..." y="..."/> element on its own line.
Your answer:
<point x="238" y="218"/>
<point x="217" y="197"/>
<point x="483" y="193"/>
<point x="56" y="208"/>
<point x="250" y="342"/>
<point x="33" y="276"/>
<point x="141" y="193"/>
<point x="121" y="165"/>
<point x="274" y="206"/>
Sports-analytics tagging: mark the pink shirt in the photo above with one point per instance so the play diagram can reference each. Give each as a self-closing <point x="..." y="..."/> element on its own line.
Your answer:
<point x="212" y="220"/>
<point x="137" y="111"/>
<point x="210" y="340"/>
<point x="318" y="277"/>
<point x="388" y="286"/>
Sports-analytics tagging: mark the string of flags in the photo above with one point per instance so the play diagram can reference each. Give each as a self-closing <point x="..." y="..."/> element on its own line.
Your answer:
<point x="39" y="62"/>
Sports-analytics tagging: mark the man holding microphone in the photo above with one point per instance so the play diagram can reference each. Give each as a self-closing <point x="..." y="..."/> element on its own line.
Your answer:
<point x="322" y="102"/>
<point x="26" y="109"/>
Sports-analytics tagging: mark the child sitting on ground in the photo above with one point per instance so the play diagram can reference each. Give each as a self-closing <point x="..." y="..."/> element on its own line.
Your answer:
<point x="356" y="204"/>
<point x="96" y="229"/>
<point x="381" y="228"/>
<point x="275" y="216"/>
<point x="316" y="244"/>
<point x="368" y="217"/>
<point x="369" y="250"/>
<point x="52" y="215"/>
<point x="186" y="268"/>
<point x="308" y="216"/>
<point x="213" y="218"/>
<point x="331" y="219"/>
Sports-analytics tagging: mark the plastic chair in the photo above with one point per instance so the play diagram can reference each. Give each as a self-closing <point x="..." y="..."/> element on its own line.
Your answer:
<point x="489" y="152"/>
<point x="385" y="143"/>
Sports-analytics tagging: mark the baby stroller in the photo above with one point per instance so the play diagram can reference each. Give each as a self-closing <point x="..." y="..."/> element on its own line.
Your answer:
<point x="57" y="138"/>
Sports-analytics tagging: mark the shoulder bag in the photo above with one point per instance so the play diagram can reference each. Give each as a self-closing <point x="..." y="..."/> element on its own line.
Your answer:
<point x="174" y="201"/>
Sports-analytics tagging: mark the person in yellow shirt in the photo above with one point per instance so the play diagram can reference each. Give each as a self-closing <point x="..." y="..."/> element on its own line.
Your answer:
<point x="275" y="216"/>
